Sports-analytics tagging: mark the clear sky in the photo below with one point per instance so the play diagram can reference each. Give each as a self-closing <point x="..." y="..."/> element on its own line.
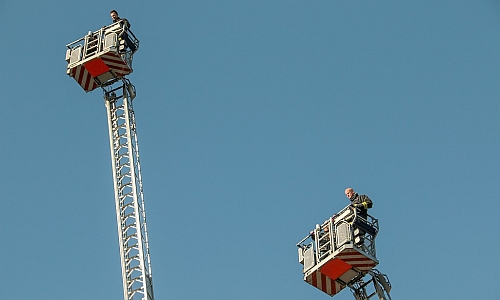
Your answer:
<point x="253" y="117"/>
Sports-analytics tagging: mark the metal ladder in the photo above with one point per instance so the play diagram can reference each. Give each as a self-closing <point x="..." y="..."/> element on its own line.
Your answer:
<point x="129" y="197"/>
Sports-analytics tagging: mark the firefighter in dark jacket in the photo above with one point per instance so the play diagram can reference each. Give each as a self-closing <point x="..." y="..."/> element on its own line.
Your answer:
<point x="361" y="202"/>
<point x="125" y="24"/>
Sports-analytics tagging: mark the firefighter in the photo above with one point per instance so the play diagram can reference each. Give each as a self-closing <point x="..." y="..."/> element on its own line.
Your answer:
<point x="125" y="24"/>
<point x="361" y="202"/>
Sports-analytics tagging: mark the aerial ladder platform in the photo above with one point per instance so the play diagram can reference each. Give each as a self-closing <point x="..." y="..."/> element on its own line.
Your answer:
<point x="102" y="59"/>
<point x="341" y="253"/>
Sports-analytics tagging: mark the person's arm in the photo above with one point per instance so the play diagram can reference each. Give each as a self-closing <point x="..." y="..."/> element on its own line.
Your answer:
<point x="366" y="202"/>
<point x="125" y="23"/>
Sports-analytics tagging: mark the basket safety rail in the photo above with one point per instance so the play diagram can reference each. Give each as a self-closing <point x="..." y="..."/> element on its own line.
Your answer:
<point x="345" y="227"/>
<point x="114" y="36"/>
<point x="340" y="252"/>
<point x="101" y="56"/>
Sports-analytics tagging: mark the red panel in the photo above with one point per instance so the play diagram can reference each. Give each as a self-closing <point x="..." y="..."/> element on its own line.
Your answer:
<point x="96" y="67"/>
<point x="335" y="268"/>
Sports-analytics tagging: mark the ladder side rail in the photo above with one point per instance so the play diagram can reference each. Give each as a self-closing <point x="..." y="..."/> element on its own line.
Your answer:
<point x="324" y="237"/>
<point x="93" y="43"/>
<point x="97" y="41"/>
<point x="100" y="43"/>
<point x="331" y="235"/>
<point x="88" y="49"/>
<point x="130" y="124"/>
<point x="328" y="229"/>
<point x="85" y="47"/>
<point x="126" y="200"/>
<point x="142" y="208"/>
<point x="317" y="244"/>
<point x="129" y="213"/>
<point x="128" y="223"/>
<point x="141" y="203"/>
<point x="144" y="229"/>
<point x="110" y="104"/>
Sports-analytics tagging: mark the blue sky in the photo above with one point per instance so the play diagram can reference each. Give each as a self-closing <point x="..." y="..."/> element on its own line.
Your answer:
<point x="253" y="117"/>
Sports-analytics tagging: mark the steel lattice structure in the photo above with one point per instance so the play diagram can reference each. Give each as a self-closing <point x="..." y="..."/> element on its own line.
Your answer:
<point x="102" y="59"/>
<point x="129" y="196"/>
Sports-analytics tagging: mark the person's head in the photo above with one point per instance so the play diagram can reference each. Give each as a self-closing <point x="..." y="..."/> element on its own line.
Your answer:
<point x="114" y="15"/>
<point x="349" y="192"/>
